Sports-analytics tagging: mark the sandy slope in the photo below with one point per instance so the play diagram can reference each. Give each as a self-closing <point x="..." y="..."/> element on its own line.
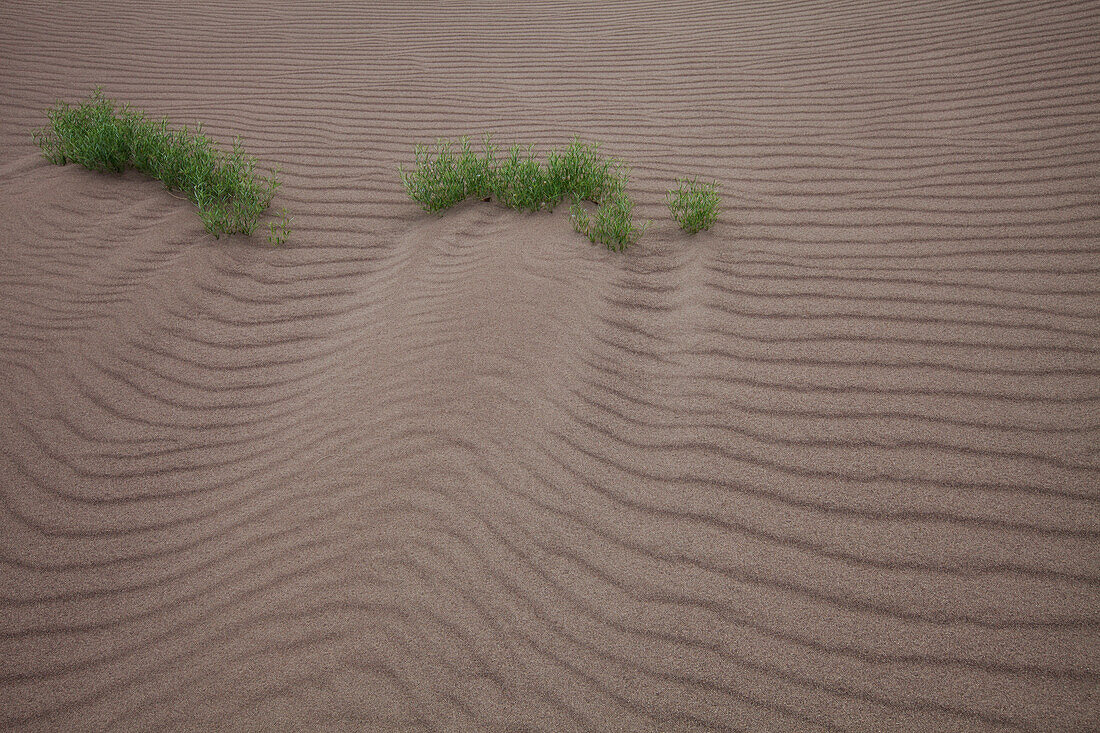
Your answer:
<point x="833" y="464"/>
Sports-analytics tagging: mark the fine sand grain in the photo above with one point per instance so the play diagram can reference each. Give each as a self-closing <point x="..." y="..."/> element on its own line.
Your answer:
<point x="833" y="464"/>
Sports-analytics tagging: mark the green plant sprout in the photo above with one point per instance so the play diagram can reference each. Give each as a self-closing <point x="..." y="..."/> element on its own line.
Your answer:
<point x="694" y="205"/>
<point x="611" y="225"/>
<point x="224" y="186"/>
<point x="279" y="233"/>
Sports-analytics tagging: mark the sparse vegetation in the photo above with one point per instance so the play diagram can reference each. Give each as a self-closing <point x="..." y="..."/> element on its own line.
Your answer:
<point x="520" y="181"/>
<point x="581" y="173"/>
<point x="443" y="179"/>
<point x="224" y="186"/>
<point x="611" y="225"/>
<point x="694" y="205"/>
<point x="280" y="232"/>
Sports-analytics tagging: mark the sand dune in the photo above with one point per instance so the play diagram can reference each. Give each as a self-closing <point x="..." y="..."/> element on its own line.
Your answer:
<point x="833" y="464"/>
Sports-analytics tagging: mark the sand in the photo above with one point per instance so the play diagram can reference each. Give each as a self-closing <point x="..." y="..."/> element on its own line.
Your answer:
<point x="833" y="464"/>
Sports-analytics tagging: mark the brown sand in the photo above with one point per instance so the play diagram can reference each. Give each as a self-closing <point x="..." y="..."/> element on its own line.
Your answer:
<point x="833" y="464"/>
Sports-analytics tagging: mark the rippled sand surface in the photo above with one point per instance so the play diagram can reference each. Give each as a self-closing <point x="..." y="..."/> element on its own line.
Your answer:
<point x="833" y="464"/>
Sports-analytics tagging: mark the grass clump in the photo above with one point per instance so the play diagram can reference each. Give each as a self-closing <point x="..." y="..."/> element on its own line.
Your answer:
<point x="444" y="178"/>
<point x="101" y="137"/>
<point x="694" y="205"/>
<point x="611" y="225"/>
<point x="581" y="173"/>
<point x="521" y="181"/>
<point x="279" y="232"/>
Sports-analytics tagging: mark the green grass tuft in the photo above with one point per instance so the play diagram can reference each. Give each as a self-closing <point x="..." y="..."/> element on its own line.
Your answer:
<point x="443" y="178"/>
<point x="580" y="173"/>
<point x="279" y="232"/>
<point x="225" y="187"/>
<point x="694" y="205"/>
<point x="611" y="225"/>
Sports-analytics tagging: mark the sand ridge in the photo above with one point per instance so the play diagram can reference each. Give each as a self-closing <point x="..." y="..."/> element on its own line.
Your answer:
<point x="830" y="465"/>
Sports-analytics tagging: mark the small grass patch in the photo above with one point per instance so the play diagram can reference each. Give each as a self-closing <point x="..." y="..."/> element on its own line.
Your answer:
<point x="611" y="225"/>
<point x="444" y="178"/>
<point x="519" y="180"/>
<point x="280" y="231"/>
<point x="101" y="137"/>
<point x="694" y="205"/>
